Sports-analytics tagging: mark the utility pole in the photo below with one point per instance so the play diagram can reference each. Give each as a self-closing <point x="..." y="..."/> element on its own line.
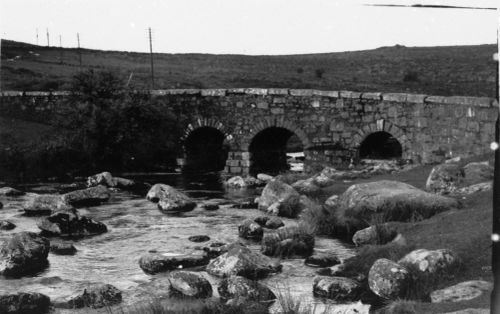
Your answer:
<point x="79" y="50"/>
<point x="37" y="36"/>
<point x="60" y="48"/>
<point x="48" y="38"/>
<point x="151" y="54"/>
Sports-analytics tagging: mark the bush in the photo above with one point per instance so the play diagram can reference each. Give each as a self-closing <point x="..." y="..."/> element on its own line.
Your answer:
<point x="319" y="73"/>
<point x="410" y="76"/>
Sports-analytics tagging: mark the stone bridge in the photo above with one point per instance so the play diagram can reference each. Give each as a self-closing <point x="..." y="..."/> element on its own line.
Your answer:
<point x="242" y="130"/>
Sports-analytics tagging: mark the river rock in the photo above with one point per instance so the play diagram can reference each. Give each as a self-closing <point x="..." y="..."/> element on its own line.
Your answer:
<point x="236" y="287"/>
<point x="307" y="186"/>
<point x="104" y="178"/>
<point x="215" y="249"/>
<point x="264" y="177"/>
<point x="463" y="291"/>
<point x="169" y="199"/>
<point x="152" y="263"/>
<point x="70" y="224"/>
<point x="6" y="225"/>
<point x="236" y="182"/>
<point x="212" y="204"/>
<point x="45" y="204"/>
<point x="351" y="308"/>
<point x="392" y="200"/>
<point x="199" y="238"/>
<point x="97" y="296"/>
<point x="249" y="229"/>
<point x="87" y="197"/>
<point x="430" y="262"/>
<point x="274" y="223"/>
<point x="322" y="259"/>
<point x="239" y="260"/>
<point x="388" y="279"/>
<point x="158" y="191"/>
<point x="24" y="303"/>
<point x="280" y="199"/>
<point x="288" y="242"/>
<point x="62" y="249"/>
<point x="23" y="253"/>
<point x="190" y="284"/>
<point x="336" y="288"/>
<point x="261" y="220"/>
<point x="10" y="192"/>
<point x="377" y="234"/>
<point x="445" y="178"/>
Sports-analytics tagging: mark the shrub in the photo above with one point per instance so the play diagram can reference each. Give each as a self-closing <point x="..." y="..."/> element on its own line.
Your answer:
<point x="410" y="76"/>
<point x="319" y="73"/>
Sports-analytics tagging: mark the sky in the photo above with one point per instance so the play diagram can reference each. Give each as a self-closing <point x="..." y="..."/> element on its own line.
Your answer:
<point x="252" y="27"/>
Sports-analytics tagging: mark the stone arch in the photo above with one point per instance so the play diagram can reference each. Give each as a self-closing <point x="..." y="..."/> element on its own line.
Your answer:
<point x="207" y="122"/>
<point x="382" y="125"/>
<point x="275" y="122"/>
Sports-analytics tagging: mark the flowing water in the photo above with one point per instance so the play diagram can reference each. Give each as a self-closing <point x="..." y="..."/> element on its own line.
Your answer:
<point x="136" y="226"/>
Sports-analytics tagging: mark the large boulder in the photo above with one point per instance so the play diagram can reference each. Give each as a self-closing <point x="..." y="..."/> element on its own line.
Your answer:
<point x="430" y="261"/>
<point x="388" y="279"/>
<point x="169" y="199"/>
<point x="448" y="178"/>
<point x="87" y="197"/>
<point x="44" y="204"/>
<point x="236" y="287"/>
<point x="189" y="284"/>
<point x="239" y="260"/>
<point x="23" y="253"/>
<point x="391" y="201"/>
<point x="24" y="303"/>
<point x="249" y="229"/>
<point x="477" y="172"/>
<point x="279" y="198"/>
<point x="336" y="288"/>
<point x="288" y="242"/>
<point x="152" y="263"/>
<point x="8" y="191"/>
<point x="463" y="291"/>
<point x="70" y="224"/>
<point x="97" y="296"/>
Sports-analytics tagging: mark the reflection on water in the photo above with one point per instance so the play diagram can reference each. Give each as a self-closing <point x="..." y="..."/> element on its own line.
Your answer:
<point x="135" y="227"/>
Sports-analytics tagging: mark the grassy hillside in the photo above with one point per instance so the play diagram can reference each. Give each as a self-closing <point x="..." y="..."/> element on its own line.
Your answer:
<point x="456" y="70"/>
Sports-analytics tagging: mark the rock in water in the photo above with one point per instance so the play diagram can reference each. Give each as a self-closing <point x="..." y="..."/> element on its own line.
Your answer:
<point x="236" y="287"/>
<point x="199" y="238"/>
<point x="388" y="279"/>
<point x="87" y="197"/>
<point x="62" y="249"/>
<point x="288" y="242"/>
<point x="336" y="288"/>
<point x="24" y="253"/>
<point x="97" y="297"/>
<point x="104" y="178"/>
<point x="264" y="177"/>
<point x="153" y="263"/>
<point x="241" y="261"/>
<point x="274" y="223"/>
<point x="236" y="183"/>
<point x="45" y="204"/>
<point x="169" y="199"/>
<point x="190" y="284"/>
<point x="8" y="191"/>
<point x="393" y="200"/>
<point x="280" y="199"/>
<point x="70" y="224"/>
<point x="6" y="225"/>
<point x="261" y="220"/>
<point x="24" y="303"/>
<point x="322" y="259"/>
<point x="249" y="229"/>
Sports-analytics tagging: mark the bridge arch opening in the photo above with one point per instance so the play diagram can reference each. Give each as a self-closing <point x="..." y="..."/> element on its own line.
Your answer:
<point x="274" y="150"/>
<point x="205" y="150"/>
<point x="380" y="145"/>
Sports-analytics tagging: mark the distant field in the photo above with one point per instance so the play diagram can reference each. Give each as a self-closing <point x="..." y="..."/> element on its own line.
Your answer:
<point x="456" y="70"/>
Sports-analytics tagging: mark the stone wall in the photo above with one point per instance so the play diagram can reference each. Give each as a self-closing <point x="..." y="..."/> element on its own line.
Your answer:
<point x="330" y="124"/>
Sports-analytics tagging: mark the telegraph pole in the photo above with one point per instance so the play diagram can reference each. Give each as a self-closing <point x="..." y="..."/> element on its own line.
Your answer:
<point x="60" y="48"/>
<point x="48" y="38"/>
<point x="79" y="50"/>
<point x="151" y="54"/>
<point x="37" y="36"/>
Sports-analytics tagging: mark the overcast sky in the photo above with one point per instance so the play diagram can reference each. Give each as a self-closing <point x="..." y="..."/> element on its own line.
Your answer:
<point x="246" y="26"/>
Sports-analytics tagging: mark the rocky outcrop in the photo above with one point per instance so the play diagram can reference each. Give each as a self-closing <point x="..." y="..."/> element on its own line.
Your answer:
<point x="249" y="229"/>
<point x="23" y="253"/>
<point x="322" y="259"/>
<point x="45" y="204"/>
<point x="153" y="263"/>
<point x="463" y="291"/>
<point x="430" y="261"/>
<point x="6" y="225"/>
<point x="288" y="242"/>
<point x="236" y="287"/>
<point x="392" y="200"/>
<point x="62" y="249"/>
<point x="336" y="288"/>
<point x="189" y="284"/>
<point x="388" y="279"/>
<point x="24" y="303"/>
<point x="241" y="261"/>
<point x="10" y="192"/>
<point x="87" y="197"/>
<point x="70" y="224"/>
<point x="97" y="296"/>
<point x="280" y="199"/>
<point x="169" y="199"/>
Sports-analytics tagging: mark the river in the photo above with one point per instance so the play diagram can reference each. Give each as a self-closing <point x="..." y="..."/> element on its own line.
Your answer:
<point x="136" y="226"/>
